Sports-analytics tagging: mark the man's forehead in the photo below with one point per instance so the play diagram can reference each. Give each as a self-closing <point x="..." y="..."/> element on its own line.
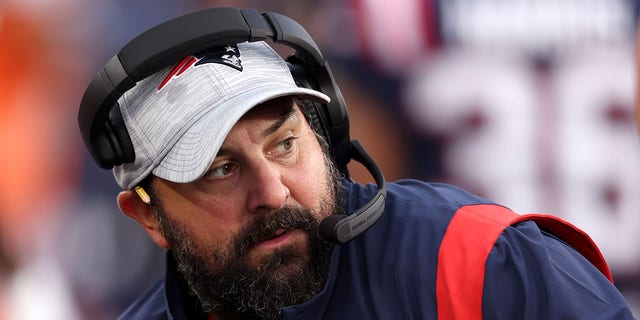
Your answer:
<point x="269" y="117"/>
<point x="278" y="106"/>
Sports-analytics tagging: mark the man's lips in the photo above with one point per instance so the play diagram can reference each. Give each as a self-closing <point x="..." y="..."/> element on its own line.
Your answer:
<point x="280" y="238"/>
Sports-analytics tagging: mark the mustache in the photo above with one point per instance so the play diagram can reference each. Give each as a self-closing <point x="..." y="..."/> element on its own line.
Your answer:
<point x="277" y="222"/>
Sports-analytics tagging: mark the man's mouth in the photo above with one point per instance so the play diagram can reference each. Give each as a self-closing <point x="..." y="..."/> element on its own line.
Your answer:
<point x="279" y="238"/>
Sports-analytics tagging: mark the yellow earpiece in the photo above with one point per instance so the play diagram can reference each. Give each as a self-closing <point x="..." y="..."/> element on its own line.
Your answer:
<point x="142" y="194"/>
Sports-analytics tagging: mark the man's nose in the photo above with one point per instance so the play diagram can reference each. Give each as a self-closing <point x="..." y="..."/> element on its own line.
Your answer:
<point x="267" y="190"/>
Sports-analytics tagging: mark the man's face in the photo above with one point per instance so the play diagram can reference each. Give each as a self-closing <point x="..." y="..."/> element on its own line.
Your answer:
<point x="245" y="235"/>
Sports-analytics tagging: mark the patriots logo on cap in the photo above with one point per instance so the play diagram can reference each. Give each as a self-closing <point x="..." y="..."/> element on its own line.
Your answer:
<point x="228" y="55"/>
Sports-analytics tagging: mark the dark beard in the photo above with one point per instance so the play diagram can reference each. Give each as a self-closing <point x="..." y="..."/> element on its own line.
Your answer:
<point x="226" y="284"/>
<point x="258" y="292"/>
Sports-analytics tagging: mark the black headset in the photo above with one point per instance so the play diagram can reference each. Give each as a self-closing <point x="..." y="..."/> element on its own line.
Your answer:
<point x="106" y="137"/>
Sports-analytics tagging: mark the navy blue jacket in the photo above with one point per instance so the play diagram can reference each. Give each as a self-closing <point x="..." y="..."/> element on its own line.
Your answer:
<point x="389" y="272"/>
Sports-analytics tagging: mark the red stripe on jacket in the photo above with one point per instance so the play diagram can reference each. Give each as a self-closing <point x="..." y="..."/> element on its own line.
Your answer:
<point x="470" y="237"/>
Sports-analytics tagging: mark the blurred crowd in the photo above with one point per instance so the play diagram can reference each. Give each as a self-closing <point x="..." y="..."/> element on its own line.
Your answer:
<point x="529" y="103"/>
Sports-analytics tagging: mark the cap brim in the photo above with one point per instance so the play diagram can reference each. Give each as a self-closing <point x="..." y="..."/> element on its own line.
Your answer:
<point x="192" y="154"/>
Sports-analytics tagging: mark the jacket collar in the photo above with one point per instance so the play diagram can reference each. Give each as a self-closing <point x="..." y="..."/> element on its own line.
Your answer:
<point x="181" y="303"/>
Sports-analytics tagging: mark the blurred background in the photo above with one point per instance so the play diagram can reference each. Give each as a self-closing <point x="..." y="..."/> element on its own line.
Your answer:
<point x="528" y="103"/>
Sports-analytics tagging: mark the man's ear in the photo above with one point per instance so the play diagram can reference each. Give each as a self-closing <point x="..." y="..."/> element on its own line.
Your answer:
<point x="136" y="209"/>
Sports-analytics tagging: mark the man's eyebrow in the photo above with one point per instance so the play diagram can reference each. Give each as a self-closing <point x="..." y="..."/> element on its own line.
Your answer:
<point x="289" y="114"/>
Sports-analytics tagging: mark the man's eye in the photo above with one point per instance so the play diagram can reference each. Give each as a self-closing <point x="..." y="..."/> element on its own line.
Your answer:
<point x="286" y="144"/>
<point x="221" y="171"/>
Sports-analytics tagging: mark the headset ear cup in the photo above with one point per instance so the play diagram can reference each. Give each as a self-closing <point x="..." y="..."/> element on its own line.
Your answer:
<point x="330" y="120"/>
<point x="118" y="137"/>
<point x="312" y="109"/>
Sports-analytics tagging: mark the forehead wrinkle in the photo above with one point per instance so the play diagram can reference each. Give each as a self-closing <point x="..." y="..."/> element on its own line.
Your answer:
<point x="290" y="113"/>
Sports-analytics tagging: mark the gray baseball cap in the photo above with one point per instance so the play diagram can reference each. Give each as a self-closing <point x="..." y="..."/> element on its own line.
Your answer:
<point x="179" y="117"/>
